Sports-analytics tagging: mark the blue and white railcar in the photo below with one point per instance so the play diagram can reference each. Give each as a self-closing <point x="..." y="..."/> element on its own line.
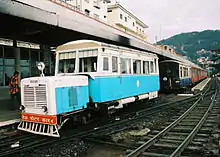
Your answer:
<point x="88" y="74"/>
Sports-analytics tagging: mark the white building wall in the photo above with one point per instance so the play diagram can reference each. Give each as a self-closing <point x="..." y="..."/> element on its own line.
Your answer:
<point x="131" y="23"/>
<point x="139" y="28"/>
<point x="86" y="6"/>
<point x="113" y="17"/>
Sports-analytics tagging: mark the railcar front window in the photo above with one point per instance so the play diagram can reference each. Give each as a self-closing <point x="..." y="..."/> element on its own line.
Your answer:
<point x="155" y="65"/>
<point x="67" y="66"/>
<point x="88" y="64"/>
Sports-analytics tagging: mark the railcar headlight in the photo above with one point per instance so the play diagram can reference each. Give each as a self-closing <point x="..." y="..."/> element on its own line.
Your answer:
<point x="45" y="108"/>
<point x="21" y="108"/>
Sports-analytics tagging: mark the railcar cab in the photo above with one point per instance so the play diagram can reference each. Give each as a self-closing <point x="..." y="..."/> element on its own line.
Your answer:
<point x="116" y="74"/>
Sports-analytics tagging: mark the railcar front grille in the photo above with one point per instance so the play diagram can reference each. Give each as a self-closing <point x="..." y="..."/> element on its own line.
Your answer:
<point x="35" y="97"/>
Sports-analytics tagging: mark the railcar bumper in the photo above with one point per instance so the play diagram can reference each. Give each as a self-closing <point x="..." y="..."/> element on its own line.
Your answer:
<point x="39" y="124"/>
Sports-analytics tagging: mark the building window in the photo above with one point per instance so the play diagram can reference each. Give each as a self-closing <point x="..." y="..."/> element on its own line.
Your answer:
<point x="105" y="64"/>
<point x="96" y="16"/>
<point x="114" y="64"/>
<point x="1" y="68"/>
<point x="87" y="12"/>
<point x="87" y="1"/>
<point x="121" y="17"/>
<point x="137" y="66"/>
<point x="133" y="24"/>
<point x="109" y="11"/>
<point x="25" y="63"/>
<point x="126" y="19"/>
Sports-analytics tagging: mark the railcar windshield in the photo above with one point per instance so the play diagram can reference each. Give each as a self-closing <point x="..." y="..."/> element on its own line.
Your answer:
<point x="68" y="63"/>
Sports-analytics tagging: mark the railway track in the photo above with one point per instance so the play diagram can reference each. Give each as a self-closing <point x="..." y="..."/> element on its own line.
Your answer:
<point x="72" y="135"/>
<point x="184" y="134"/>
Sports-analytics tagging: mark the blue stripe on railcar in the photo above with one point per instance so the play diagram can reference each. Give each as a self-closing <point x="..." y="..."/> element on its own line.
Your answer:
<point x="70" y="99"/>
<point x="185" y="82"/>
<point x="104" y="89"/>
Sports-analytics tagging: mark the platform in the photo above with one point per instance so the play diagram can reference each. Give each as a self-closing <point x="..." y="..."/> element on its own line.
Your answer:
<point x="9" y="117"/>
<point x="201" y="85"/>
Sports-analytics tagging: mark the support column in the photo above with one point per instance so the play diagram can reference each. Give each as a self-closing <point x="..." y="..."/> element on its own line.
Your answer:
<point x="47" y="58"/>
<point x="17" y="54"/>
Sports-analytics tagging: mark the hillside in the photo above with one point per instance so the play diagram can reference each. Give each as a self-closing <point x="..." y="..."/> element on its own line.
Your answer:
<point x="188" y="44"/>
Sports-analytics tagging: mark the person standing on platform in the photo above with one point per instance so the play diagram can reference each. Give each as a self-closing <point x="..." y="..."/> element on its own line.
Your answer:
<point x="15" y="91"/>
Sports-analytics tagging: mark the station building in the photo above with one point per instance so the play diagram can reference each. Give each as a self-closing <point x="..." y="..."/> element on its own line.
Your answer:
<point x="93" y="8"/>
<point x="23" y="57"/>
<point x="111" y="13"/>
<point x="124" y="20"/>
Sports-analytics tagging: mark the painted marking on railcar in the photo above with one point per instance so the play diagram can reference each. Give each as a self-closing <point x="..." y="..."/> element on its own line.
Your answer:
<point x="43" y="119"/>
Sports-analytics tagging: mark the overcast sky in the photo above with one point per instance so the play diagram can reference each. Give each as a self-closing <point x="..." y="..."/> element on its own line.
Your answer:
<point x="175" y="16"/>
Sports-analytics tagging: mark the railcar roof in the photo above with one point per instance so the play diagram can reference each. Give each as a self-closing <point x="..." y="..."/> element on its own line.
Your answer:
<point x="188" y="63"/>
<point x="79" y="44"/>
<point x="84" y="44"/>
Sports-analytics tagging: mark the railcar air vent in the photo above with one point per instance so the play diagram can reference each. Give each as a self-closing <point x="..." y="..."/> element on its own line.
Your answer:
<point x="35" y="97"/>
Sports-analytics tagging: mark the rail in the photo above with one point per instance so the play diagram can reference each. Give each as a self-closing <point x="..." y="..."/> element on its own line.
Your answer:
<point x="146" y="145"/>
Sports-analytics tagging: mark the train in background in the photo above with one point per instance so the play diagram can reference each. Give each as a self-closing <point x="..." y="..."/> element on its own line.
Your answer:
<point x="175" y="75"/>
<point x="89" y="76"/>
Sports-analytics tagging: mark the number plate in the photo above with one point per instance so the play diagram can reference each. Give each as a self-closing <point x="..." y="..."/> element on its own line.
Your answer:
<point x="33" y="83"/>
<point x="43" y="119"/>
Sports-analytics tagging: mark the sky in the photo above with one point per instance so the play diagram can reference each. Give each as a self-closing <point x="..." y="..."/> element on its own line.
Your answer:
<point x="166" y="18"/>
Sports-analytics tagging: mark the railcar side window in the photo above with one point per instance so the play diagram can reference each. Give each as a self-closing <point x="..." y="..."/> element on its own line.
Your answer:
<point x="146" y="67"/>
<point x="137" y="66"/>
<point x="88" y="64"/>
<point x="105" y="64"/>
<point x="128" y="62"/>
<point x="125" y="66"/>
<point x="180" y="71"/>
<point x="114" y="64"/>
<point x="151" y="67"/>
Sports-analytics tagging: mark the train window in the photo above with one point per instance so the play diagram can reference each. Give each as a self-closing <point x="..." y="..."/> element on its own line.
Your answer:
<point x="146" y="67"/>
<point x="151" y="67"/>
<point x="88" y="64"/>
<point x="105" y="64"/>
<point x="125" y="66"/>
<point x="67" y="66"/>
<point x="114" y="64"/>
<point x="155" y="65"/>
<point x="137" y="66"/>
<point x="129" y="66"/>
<point x="181" y="72"/>
<point x="185" y="72"/>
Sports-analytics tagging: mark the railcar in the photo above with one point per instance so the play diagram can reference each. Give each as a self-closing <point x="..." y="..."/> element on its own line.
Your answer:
<point x="198" y="74"/>
<point x="174" y="75"/>
<point x="89" y="76"/>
